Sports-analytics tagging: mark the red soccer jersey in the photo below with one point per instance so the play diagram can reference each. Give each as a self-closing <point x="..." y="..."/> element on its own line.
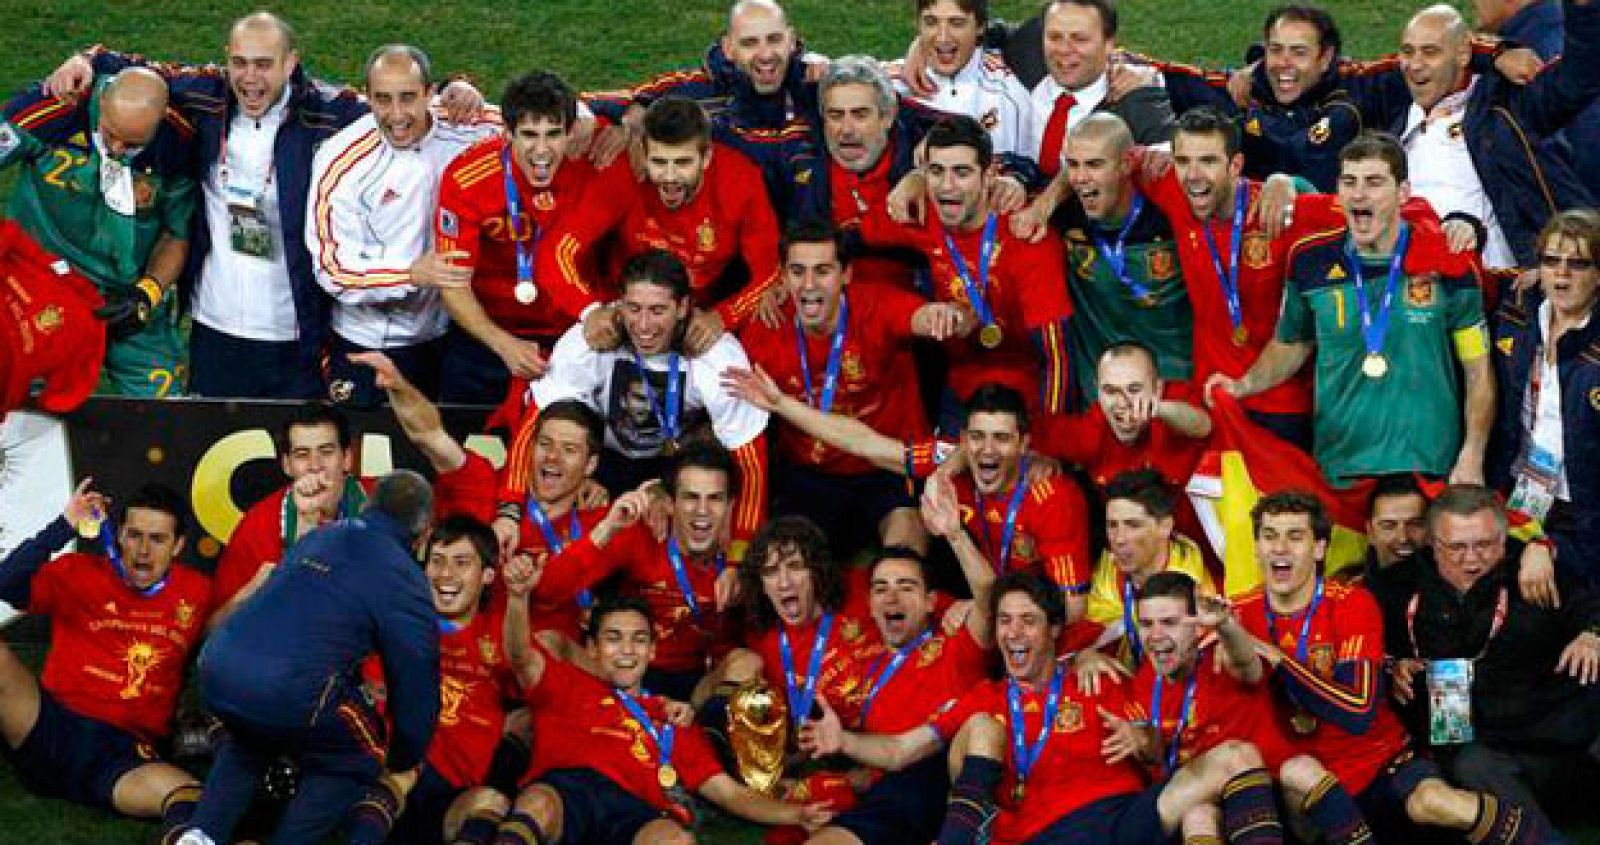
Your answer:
<point x="1052" y="529"/>
<point x="1070" y="773"/>
<point x="841" y="680"/>
<point x="256" y="542"/>
<point x="474" y="218"/>
<point x="929" y="682"/>
<point x="47" y="326"/>
<point x="686" y="639"/>
<point x="115" y="655"/>
<point x="1224" y="708"/>
<point x="474" y="681"/>
<point x="579" y="723"/>
<point x="1027" y="293"/>
<point x="851" y="196"/>
<point x="565" y="615"/>
<point x="1346" y="636"/>
<point x="468" y="489"/>
<point x="1217" y="349"/>
<point x="877" y="377"/>
<point x="729" y="217"/>
<point x="1086" y="440"/>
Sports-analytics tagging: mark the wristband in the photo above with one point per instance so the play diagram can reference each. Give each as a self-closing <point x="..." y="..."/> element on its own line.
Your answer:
<point x="151" y="288"/>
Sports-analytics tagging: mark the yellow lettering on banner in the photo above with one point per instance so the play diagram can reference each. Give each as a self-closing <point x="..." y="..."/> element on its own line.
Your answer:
<point x="211" y="491"/>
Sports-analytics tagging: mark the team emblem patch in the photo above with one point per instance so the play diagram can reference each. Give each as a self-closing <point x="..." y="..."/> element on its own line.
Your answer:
<point x="48" y="320"/>
<point x="9" y="139"/>
<point x="850" y="365"/>
<point x="1024" y="546"/>
<point x="1594" y="398"/>
<point x="341" y="389"/>
<point x="144" y="191"/>
<point x="1253" y="127"/>
<point x="1336" y="273"/>
<point x="929" y="652"/>
<point x="990" y="119"/>
<point x="449" y="226"/>
<point x="1319" y="131"/>
<point x="544" y="201"/>
<point x="706" y="236"/>
<point x="1321" y="658"/>
<point x="1455" y="132"/>
<point x="184" y="613"/>
<point x="1070" y="719"/>
<point x="487" y="650"/>
<point x="1257" y="251"/>
<point x="1505" y="345"/>
<point x="1420" y="290"/>
<point x="1161" y="264"/>
<point x="803" y="177"/>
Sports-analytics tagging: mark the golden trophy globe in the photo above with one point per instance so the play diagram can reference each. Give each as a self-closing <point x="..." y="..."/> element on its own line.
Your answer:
<point x="758" y="725"/>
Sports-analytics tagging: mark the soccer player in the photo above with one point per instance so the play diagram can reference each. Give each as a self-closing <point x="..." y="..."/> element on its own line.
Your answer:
<point x="1140" y="544"/>
<point x="497" y="201"/>
<point x="971" y="81"/>
<point x="373" y="189"/>
<point x="1323" y="645"/>
<point x="609" y="766"/>
<point x="843" y="347"/>
<point x="679" y="390"/>
<point x="1389" y="314"/>
<point x="315" y="452"/>
<point x="685" y="578"/>
<point x="105" y="185"/>
<point x="1014" y="291"/>
<point x="1061" y="755"/>
<point x="122" y="627"/>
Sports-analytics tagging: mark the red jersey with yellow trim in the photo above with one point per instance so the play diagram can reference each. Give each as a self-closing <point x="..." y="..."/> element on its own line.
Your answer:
<point x="1347" y="636"/>
<point x="728" y="217"/>
<point x="1217" y="349"/>
<point x="47" y="326"/>
<point x="475" y="679"/>
<point x="853" y="633"/>
<point x="1027" y="294"/>
<point x="468" y="489"/>
<point x="1052" y="529"/>
<point x="928" y="683"/>
<point x="579" y="723"/>
<point x="686" y="640"/>
<point x="115" y="655"/>
<point x="563" y="615"/>
<point x="877" y="377"/>
<point x="473" y="218"/>
<point x="256" y="541"/>
<point x="1224" y="708"/>
<point x="1086" y="440"/>
<point x="851" y="195"/>
<point x="1070" y="773"/>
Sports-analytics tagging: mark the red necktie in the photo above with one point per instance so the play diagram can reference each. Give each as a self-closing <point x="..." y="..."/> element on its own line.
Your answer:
<point x="1055" y="134"/>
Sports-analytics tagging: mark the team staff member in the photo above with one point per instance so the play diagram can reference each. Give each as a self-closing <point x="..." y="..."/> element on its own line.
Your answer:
<point x="844" y="347"/>
<point x="1388" y="312"/>
<point x="373" y="189"/>
<point x="122" y="627"/>
<point x="609" y="764"/>
<point x="105" y="185"/>
<point x="497" y="201"/>
<point x="348" y="591"/>
<point x="651" y="393"/>
<point x="1323" y="644"/>
<point x="970" y="81"/>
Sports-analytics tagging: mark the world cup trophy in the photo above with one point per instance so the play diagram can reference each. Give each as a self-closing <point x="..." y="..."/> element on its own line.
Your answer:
<point x="758" y="724"/>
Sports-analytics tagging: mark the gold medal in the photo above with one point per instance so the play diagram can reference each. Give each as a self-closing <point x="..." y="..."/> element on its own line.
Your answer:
<point x="990" y="336"/>
<point x="1374" y="365"/>
<point x="1017" y="793"/>
<point x="1241" y="335"/>
<point x="667" y="776"/>
<point x="1147" y="301"/>
<point x="1303" y="723"/>
<point x="670" y="448"/>
<point x="89" y="528"/>
<point x="526" y="293"/>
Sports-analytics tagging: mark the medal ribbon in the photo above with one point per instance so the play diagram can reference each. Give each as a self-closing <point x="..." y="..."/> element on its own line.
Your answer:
<point x="976" y="290"/>
<point x="1130" y="627"/>
<point x="668" y="416"/>
<point x="1116" y="257"/>
<point x="108" y="539"/>
<point x="830" y="378"/>
<point x="554" y="541"/>
<point x="448" y="627"/>
<point x="1183" y="715"/>
<point x="1230" y="279"/>
<point x="351" y="500"/>
<point x="681" y="573"/>
<point x="800" y="700"/>
<point x="514" y="211"/>
<point x="888" y="671"/>
<point x="1022" y="755"/>
<point x="663" y="736"/>
<point x="1009" y="532"/>
<point x="1301" y="645"/>
<point x="1375" y="326"/>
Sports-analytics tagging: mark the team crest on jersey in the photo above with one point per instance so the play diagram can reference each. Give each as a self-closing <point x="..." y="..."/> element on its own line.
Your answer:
<point x="1336" y="273"/>
<point x="1420" y="290"/>
<point x="850" y="365"/>
<point x="850" y="629"/>
<point x="184" y="613"/>
<point x="990" y="119"/>
<point x="448" y="224"/>
<point x="1321" y="659"/>
<point x="1257" y="251"/>
<point x="144" y="191"/>
<point x="929" y="652"/>
<point x="544" y="200"/>
<point x="341" y="389"/>
<point x="706" y="236"/>
<point x="1594" y="398"/>
<point x="1320" y="131"/>
<point x="1070" y="719"/>
<point x="1253" y="126"/>
<point x="48" y="320"/>
<point x="1454" y="132"/>
<point x="803" y="177"/>
<point x="1505" y="345"/>
<point x="487" y="650"/>
<point x="1024" y="545"/>
<point x="1161" y="264"/>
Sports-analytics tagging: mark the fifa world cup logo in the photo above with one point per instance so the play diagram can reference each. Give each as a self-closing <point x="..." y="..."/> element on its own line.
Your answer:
<point x="452" y="691"/>
<point x="139" y="660"/>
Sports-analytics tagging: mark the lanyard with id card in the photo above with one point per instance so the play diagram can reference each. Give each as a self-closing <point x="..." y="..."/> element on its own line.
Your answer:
<point x="248" y="232"/>
<point x="1450" y="680"/>
<point x="1538" y="472"/>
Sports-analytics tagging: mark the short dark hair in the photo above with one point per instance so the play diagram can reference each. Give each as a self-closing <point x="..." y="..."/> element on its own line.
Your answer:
<point x="1209" y="120"/>
<point x="959" y="130"/>
<point x="574" y="411"/>
<point x="310" y="415"/>
<point x="1373" y="144"/>
<point x="992" y="398"/>
<point x="1106" y="9"/>
<point x="702" y="452"/>
<point x="460" y="526"/>
<point x="1176" y="585"/>
<point x="1394" y="484"/>
<point x="1316" y="16"/>
<point x="1147" y="488"/>
<point x="657" y="267"/>
<point x="677" y="120"/>
<point x="405" y="496"/>
<point x="813" y="230"/>
<point x="158" y="497"/>
<point x="1043" y="593"/>
<point x="802" y="536"/>
<point x="1124" y="348"/>
<point x="1292" y="502"/>
<point x="608" y="603"/>
<point x="897" y="552"/>
<point x="538" y="94"/>
<point x="977" y="8"/>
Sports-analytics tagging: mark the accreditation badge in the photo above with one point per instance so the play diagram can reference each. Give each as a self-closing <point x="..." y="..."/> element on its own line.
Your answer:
<point x="248" y="233"/>
<point x="1450" y="701"/>
<point x="1538" y="476"/>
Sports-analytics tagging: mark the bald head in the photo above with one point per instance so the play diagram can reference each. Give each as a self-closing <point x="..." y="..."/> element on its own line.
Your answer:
<point x="758" y="42"/>
<point x="759" y="7"/>
<point x="1434" y="52"/>
<point x="1099" y="167"/>
<point x="131" y="108"/>
<point x="1104" y="128"/>
<point x="261" y="58"/>
<point x="264" y="24"/>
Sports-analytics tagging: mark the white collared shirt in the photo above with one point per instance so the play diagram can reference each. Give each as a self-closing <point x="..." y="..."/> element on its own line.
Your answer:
<point x="1043" y="98"/>
<point x="987" y="91"/>
<point x="1545" y="425"/>
<point x="1442" y="171"/>
<point x="241" y="295"/>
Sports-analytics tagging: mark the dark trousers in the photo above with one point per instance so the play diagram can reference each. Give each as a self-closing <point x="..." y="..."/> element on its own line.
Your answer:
<point x="228" y="367"/>
<point x="472" y="373"/>
<point x="1548" y="781"/>
<point x="356" y="386"/>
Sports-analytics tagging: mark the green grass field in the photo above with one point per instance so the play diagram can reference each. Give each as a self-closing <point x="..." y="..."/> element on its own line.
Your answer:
<point x="595" y="45"/>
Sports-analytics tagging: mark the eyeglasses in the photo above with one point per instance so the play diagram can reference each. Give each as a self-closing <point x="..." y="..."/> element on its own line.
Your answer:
<point x="1573" y="263"/>
<point x="1479" y="548"/>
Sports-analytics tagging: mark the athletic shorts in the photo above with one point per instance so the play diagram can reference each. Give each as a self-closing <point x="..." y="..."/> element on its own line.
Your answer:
<point x="154" y="363"/>
<point x="595" y="810"/>
<point x="70" y="756"/>
<point x="903" y="806"/>
<point x="1119" y="820"/>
